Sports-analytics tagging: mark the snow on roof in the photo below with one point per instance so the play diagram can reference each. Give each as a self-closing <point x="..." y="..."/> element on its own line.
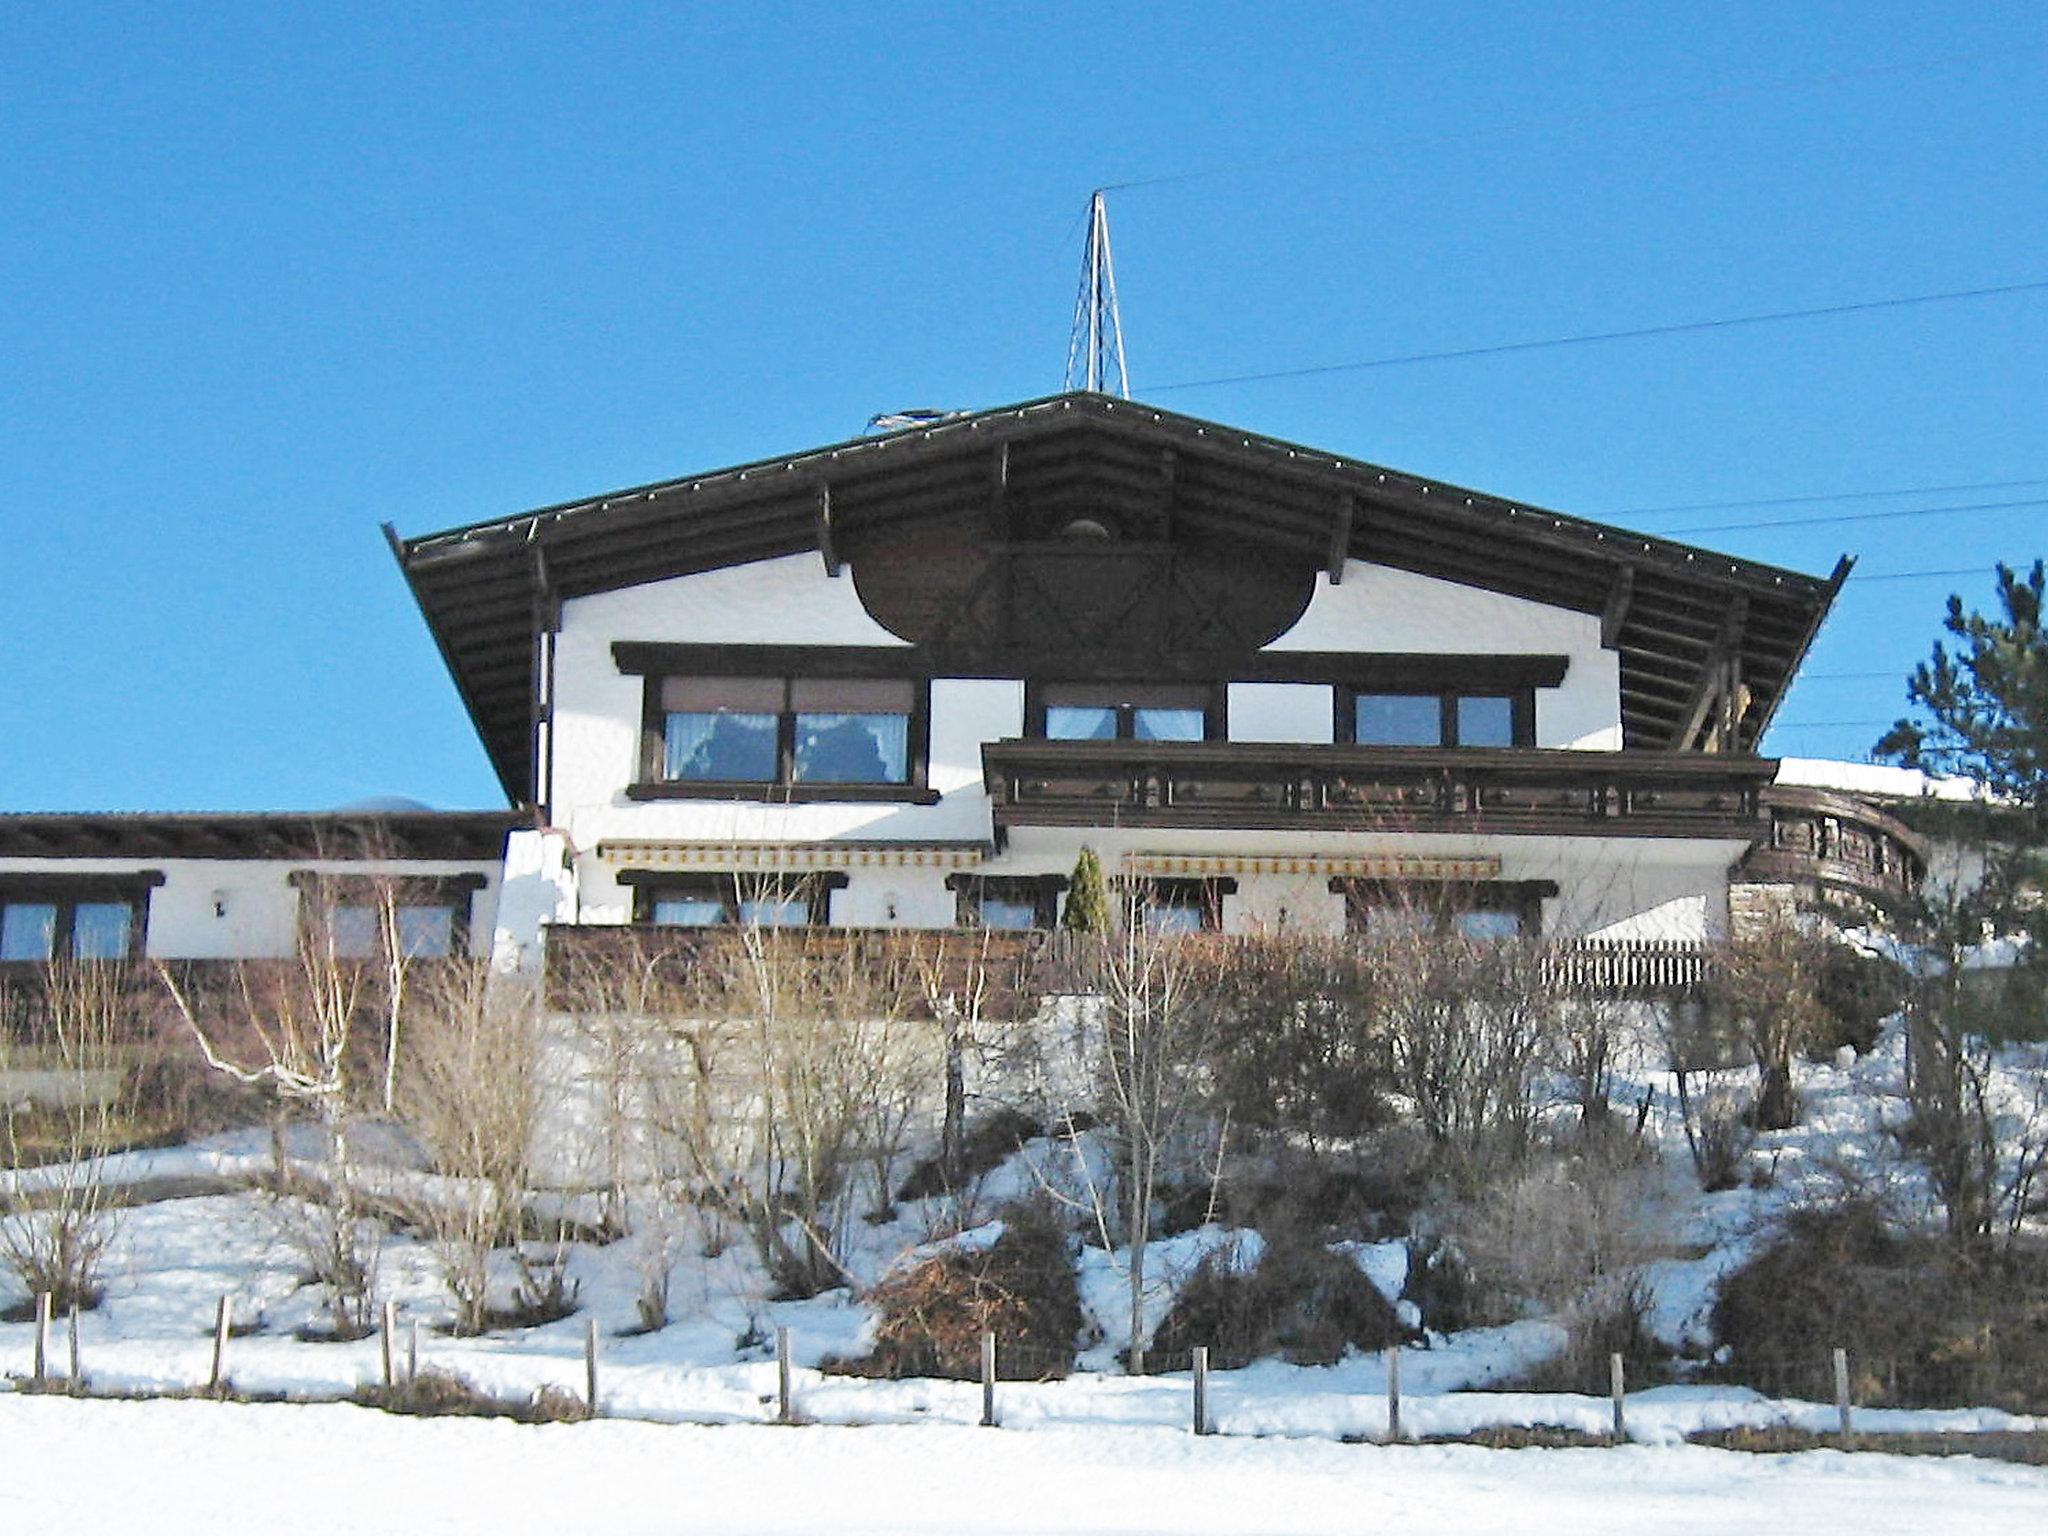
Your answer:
<point x="1881" y="779"/>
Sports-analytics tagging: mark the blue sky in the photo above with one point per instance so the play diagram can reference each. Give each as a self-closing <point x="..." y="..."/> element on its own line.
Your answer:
<point x="271" y="275"/>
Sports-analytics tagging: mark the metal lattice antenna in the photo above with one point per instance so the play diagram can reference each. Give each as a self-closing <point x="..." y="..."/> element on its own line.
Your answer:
<point x="1097" y="344"/>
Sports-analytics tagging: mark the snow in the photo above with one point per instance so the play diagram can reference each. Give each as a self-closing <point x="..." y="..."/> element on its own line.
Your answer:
<point x="197" y="1467"/>
<point x="172" y="1259"/>
<point x="1881" y="779"/>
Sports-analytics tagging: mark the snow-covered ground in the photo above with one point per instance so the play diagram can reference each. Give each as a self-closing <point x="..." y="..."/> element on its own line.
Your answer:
<point x="172" y="1260"/>
<point x="177" y="1467"/>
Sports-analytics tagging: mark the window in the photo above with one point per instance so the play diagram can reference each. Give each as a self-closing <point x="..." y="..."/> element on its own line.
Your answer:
<point x="74" y="917"/>
<point x="1126" y="712"/>
<point x="822" y="738"/>
<point x="1179" y="906"/>
<point x="1480" y="910"/>
<point x="731" y="900"/>
<point x="1006" y="901"/>
<point x="364" y="917"/>
<point x="1438" y="718"/>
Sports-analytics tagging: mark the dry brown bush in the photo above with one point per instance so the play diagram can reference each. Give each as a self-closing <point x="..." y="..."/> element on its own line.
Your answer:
<point x="930" y="1318"/>
<point x="1924" y="1325"/>
<point x="1300" y="1302"/>
<point x="443" y="1394"/>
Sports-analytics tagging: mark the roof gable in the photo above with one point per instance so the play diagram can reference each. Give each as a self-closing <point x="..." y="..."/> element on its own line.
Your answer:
<point x="1697" y="632"/>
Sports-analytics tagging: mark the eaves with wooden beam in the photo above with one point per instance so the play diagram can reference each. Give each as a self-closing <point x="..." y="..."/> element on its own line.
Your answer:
<point x="1663" y="606"/>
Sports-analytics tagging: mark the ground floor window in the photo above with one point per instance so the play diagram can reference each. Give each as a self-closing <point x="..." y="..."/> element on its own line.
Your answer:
<point x="74" y="917"/>
<point x="1179" y="905"/>
<point x="1006" y="901"/>
<point x="732" y="899"/>
<point x="375" y="917"/>
<point x="1480" y="909"/>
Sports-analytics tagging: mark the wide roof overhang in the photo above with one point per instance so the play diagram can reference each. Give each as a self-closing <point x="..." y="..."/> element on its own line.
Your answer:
<point x="1703" y="638"/>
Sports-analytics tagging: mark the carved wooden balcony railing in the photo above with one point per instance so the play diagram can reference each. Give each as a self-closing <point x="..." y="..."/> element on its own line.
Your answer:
<point x="1838" y="843"/>
<point x="1260" y="786"/>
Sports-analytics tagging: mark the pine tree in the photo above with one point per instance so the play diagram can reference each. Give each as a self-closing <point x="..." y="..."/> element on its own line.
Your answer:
<point x="1087" y="908"/>
<point x="1987" y="700"/>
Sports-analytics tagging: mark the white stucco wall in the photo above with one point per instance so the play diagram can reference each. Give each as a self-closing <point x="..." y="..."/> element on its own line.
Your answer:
<point x="247" y="909"/>
<point x="1376" y="608"/>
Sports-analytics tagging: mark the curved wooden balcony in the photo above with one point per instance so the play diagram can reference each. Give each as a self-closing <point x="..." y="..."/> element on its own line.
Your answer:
<point x="1262" y="786"/>
<point x="1839" y="843"/>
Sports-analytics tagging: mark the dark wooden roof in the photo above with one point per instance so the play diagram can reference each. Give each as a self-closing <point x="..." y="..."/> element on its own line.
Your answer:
<point x="1685" y="621"/>
<point x="474" y="835"/>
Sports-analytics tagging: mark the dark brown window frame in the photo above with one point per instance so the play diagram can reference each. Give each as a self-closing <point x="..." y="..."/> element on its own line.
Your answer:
<point x="1215" y="703"/>
<point x="1444" y="899"/>
<point x="1140" y="891"/>
<point x="1042" y="891"/>
<point x="814" y="886"/>
<point x="320" y="888"/>
<point x="784" y="788"/>
<point x="1521" y="704"/>
<point x="68" y="892"/>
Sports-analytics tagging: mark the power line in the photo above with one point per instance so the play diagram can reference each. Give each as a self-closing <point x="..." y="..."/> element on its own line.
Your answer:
<point x="1793" y="501"/>
<point x="1569" y="119"/>
<point x="1864" y="517"/>
<point x="1960" y="570"/>
<point x="1679" y="328"/>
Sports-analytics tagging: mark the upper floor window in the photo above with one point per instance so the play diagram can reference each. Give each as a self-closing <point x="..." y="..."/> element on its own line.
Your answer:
<point x="832" y="737"/>
<point x="1126" y="712"/>
<point x="1439" y="718"/>
<point x="74" y="917"/>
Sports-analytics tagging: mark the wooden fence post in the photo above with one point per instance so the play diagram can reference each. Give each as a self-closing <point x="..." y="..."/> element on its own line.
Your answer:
<point x="783" y="1405"/>
<point x="412" y="1352"/>
<point x="1617" y="1385"/>
<point x="77" y="1376"/>
<point x="590" y="1363"/>
<point x="1394" y="1394"/>
<point x="1201" y="1389"/>
<point x="42" y="1369"/>
<point x="988" y="1381"/>
<point x="389" y="1343"/>
<point x="219" y="1379"/>
<point x="1842" y="1399"/>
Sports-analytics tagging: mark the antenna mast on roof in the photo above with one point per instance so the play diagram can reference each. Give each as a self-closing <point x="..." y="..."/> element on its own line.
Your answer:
<point x="1097" y="344"/>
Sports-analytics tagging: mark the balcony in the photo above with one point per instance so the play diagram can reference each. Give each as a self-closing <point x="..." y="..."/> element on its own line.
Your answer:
<point x="1266" y="787"/>
<point x="1838" y="844"/>
<point x="992" y="974"/>
<point x="996" y="973"/>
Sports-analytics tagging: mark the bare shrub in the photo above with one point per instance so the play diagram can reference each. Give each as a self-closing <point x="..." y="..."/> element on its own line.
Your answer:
<point x="1720" y="1132"/>
<point x="776" y="1084"/>
<point x="930" y="1317"/>
<point x="1151" y="1045"/>
<point x="1925" y="1326"/>
<point x="1301" y="1051"/>
<point x="444" y="1394"/>
<point x="1568" y="1235"/>
<point x="470" y="1092"/>
<point x="1470" y="1026"/>
<point x="1300" y="1302"/>
<point x="294" y="1031"/>
<point x="55" y="1224"/>
<point x="1766" y="985"/>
